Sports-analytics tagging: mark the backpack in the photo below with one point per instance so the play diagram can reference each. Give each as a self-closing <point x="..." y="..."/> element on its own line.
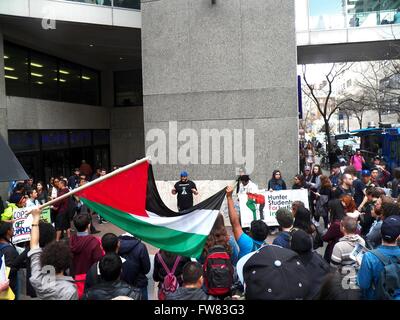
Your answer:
<point x="389" y="280"/>
<point x="170" y="282"/>
<point x="218" y="271"/>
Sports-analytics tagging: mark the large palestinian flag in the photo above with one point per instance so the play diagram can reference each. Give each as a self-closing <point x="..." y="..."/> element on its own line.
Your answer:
<point x="131" y="201"/>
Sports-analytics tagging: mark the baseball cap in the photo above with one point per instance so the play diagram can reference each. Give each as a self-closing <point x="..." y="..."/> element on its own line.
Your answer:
<point x="390" y="228"/>
<point x="273" y="273"/>
<point x="365" y="173"/>
<point x="184" y="174"/>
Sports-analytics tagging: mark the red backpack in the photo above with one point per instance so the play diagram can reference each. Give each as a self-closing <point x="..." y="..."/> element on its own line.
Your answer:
<point x="170" y="283"/>
<point x="218" y="271"/>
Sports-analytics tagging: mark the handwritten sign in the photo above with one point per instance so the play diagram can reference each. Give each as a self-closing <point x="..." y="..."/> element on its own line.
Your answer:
<point x="22" y="225"/>
<point x="45" y="215"/>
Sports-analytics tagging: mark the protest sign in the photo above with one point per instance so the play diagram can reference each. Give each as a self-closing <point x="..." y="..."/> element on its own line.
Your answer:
<point x="264" y="204"/>
<point x="45" y="215"/>
<point x="22" y="225"/>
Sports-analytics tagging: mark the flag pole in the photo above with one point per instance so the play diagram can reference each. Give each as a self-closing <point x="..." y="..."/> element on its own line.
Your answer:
<point x="91" y="183"/>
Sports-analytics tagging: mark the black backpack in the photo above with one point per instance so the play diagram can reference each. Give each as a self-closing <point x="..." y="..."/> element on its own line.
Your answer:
<point x="218" y="271"/>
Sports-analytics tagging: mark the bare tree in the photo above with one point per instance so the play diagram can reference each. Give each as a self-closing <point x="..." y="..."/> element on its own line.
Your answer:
<point x="379" y="81"/>
<point x="355" y="105"/>
<point x="322" y="96"/>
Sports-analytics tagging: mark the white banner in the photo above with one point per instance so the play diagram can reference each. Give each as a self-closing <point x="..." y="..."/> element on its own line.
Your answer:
<point x="22" y="225"/>
<point x="268" y="203"/>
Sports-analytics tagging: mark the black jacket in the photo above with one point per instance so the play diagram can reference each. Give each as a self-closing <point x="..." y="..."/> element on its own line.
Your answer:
<point x="110" y="290"/>
<point x="137" y="263"/>
<point x="183" y="293"/>
<point x="317" y="270"/>
<point x="10" y="257"/>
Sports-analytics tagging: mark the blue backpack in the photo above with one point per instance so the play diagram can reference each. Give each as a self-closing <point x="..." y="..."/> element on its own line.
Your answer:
<point x="388" y="286"/>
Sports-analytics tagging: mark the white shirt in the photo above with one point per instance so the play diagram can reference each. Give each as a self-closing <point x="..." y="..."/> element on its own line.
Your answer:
<point x="54" y="193"/>
<point x="251" y="187"/>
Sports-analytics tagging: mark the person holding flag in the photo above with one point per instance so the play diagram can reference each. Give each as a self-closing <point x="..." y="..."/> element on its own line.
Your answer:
<point x="138" y="209"/>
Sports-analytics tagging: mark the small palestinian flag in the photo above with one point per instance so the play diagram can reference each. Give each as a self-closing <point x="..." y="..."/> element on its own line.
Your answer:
<point x="131" y="201"/>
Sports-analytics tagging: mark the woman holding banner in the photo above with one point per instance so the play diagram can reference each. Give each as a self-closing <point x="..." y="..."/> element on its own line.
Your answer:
<point x="276" y="183"/>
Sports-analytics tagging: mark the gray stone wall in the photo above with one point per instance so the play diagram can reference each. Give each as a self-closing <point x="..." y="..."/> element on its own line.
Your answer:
<point x="3" y="110"/>
<point x="226" y="66"/>
<point x="127" y="137"/>
<point x="3" y="102"/>
<point x="31" y="114"/>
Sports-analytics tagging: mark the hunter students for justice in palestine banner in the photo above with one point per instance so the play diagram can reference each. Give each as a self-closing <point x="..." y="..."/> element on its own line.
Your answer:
<point x="264" y="205"/>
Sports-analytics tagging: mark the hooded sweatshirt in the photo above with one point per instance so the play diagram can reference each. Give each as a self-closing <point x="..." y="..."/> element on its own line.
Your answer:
<point x="137" y="263"/>
<point x="342" y="250"/>
<point x="86" y="251"/>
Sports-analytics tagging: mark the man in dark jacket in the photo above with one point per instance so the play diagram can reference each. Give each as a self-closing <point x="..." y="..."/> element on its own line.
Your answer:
<point x="137" y="263"/>
<point x="111" y="286"/>
<point x="285" y="220"/>
<point x="192" y="284"/>
<point x="110" y="244"/>
<point x="317" y="268"/>
<point x="73" y="181"/>
<point x="85" y="248"/>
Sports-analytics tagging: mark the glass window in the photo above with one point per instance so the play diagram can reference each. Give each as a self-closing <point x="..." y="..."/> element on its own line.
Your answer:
<point x="80" y="138"/>
<point x="98" y="2"/>
<point x="24" y="141"/>
<point x="69" y="80"/>
<point x="328" y="14"/>
<point x="131" y="4"/>
<point x="33" y="74"/>
<point x="54" y="140"/>
<point x="16" y="70"/>
<point x="128" y="88"/>
<point x="90" y="87"/>
<point x="43" y="77"/>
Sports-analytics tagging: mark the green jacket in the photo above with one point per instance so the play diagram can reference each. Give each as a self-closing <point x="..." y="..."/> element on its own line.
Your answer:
<point x="8" y="212"/>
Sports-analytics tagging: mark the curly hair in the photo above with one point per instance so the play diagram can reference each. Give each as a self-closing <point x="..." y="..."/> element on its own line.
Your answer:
<point x="218" y="236"/>
<point x="58" y="255"/>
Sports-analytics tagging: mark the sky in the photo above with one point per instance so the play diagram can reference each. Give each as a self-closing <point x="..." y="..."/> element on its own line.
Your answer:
<point x="315" y="72"/>
<point x="322" y="7"/>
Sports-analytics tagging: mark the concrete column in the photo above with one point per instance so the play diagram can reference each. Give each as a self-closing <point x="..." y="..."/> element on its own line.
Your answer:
<point x="3" y="109"/>
<point x="127" y="137"/>
<point x="3" y="97"/>
<point x="107" y="88"/>
<point x="230" y="67"/>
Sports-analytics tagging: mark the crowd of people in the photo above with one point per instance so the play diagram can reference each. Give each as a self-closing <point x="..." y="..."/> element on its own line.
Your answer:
<point x="348" y="211"/>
